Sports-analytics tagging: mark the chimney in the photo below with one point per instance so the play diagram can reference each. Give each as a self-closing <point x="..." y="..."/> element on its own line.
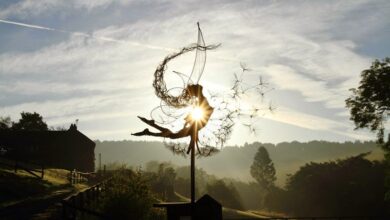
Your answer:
<point x="73" y="127"/>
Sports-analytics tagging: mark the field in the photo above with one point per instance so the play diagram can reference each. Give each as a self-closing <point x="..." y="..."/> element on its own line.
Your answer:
<point x="25" y="195"/>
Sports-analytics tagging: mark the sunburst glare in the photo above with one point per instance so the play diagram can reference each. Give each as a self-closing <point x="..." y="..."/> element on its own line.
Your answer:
<point x="197" y="114"/>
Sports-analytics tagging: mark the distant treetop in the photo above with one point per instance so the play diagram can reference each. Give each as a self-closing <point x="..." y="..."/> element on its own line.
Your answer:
<point x="31" y="122"/>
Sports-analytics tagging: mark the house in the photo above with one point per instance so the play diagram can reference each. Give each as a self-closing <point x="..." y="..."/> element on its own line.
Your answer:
<point x="69" y="149"/>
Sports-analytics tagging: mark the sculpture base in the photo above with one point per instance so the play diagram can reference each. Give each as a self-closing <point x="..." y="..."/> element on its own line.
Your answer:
<point x="205" y="208"/>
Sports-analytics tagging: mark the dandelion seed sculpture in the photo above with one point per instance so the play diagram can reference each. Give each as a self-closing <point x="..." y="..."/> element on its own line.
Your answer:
<point x="198" y="111"/>
<point x="191" y="95"/>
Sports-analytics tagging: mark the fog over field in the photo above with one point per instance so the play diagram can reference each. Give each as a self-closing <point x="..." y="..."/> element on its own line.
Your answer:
<point x="234" y="162"/>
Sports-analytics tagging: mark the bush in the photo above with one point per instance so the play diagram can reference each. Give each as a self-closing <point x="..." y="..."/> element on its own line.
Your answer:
<point x="227" y="195"/>
<point x="127" y="196"/>
<point x="349" y="187"/>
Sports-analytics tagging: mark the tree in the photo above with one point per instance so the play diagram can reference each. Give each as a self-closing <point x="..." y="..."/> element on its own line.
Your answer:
<point x="30" y="121"/>
<point x="262" y="169"/>
<point x="370" y="103"/>
<point x="127" y="196"/>
<point x="347" y="187"/>
<point x="5" y="123"/>
<point x="161" y="178"/>
<point x="166" y="179"/>
<point x="226" y="194"/>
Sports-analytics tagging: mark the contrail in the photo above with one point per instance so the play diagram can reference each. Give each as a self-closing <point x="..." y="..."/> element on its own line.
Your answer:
<point x="27" y="25"/>
<point x="137" y="44"/>
<point x="88" y="35"/>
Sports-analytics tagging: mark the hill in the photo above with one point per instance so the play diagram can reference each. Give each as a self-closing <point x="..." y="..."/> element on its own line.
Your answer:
<point x="24" y="196"/>
<point x="234" y="161"/>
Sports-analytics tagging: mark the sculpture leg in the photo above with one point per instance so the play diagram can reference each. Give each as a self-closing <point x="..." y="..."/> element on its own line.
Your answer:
<point x="165" y="132"/>
<point x="152" y="123"/>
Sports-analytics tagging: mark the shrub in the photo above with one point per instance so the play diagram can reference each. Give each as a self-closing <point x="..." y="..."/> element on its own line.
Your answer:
<point x="127" y="196"/>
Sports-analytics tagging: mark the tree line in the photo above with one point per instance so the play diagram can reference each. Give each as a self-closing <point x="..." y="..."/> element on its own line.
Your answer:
<point x="354" y="186"/>
<point x="28" y="121"/>
<point x="346" y="187"/>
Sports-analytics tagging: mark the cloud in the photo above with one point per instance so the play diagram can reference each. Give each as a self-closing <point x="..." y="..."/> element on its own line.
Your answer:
<point x="31" y="8"/>
<point x="287" y="78"/>
<point x="312" y="122"/>
<point x="300" y="47"/>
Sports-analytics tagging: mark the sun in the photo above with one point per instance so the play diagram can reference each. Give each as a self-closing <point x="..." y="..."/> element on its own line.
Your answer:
<point x="197" y="114"/>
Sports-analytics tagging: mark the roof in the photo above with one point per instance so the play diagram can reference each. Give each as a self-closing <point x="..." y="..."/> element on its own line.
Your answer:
<point x="207" y="200"/>
<point x="23" y="137"/>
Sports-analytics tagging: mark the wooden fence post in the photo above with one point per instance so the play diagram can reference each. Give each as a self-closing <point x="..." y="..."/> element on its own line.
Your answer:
<point x="81" y="203"/>
<point x="16" y="166"/>
<point x="64" y="210"/>
<point x="86" y="192"/>
<point x="74" y="211"/>
<point x="73" y="177"/>
<point x="43" y="171"/>
<point x="97" y="191"/>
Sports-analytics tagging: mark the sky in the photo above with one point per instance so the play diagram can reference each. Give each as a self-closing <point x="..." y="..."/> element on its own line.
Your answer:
<point x="94" y="60"/>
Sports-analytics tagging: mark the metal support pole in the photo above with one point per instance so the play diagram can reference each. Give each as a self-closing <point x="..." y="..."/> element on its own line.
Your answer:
<point x="100" y="162"/>
<point x="192" y="145"/>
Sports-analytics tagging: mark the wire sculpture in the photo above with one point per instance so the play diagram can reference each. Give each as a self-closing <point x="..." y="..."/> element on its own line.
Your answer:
<point x="191" y="98"/>
<point x="220" y="120"/>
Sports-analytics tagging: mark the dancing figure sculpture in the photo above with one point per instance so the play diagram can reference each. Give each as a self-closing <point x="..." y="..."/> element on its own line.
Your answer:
<point x="191" y="96"/>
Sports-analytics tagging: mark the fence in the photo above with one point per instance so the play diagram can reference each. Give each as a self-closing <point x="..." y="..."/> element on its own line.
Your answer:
<point x="79" y="205"/>
<point x="79" y="177"/>
<point x="35" y="169"/>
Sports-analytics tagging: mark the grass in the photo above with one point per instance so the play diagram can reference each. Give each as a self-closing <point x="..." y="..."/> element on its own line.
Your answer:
<point x="234" y="213"/>
<point x="22" y="186"/>
<point x="180" y="198"/>
<point x="56" y="176"/>
<point x="268" y="213"/>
